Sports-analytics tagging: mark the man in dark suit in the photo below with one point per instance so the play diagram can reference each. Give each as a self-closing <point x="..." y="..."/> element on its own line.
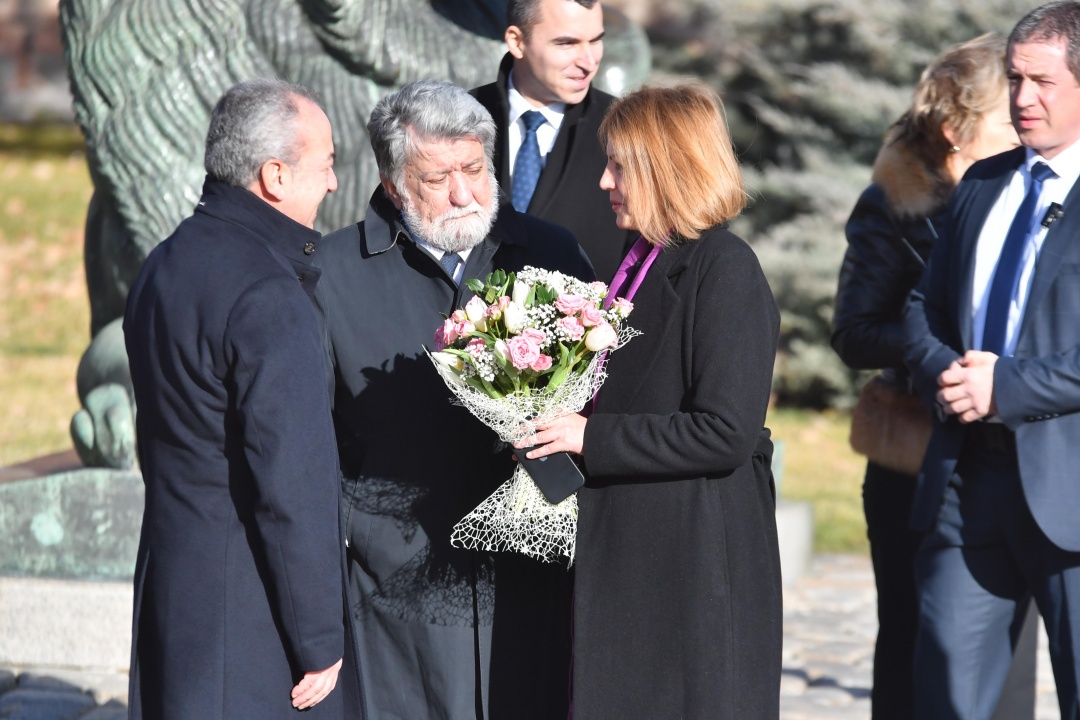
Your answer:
<point x="994" y="344"/>
<point x="239" y="584"/>
<point x="443" y="632"/>
<point x="547" y="156"/>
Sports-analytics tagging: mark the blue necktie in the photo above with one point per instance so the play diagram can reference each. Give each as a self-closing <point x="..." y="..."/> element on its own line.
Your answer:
<point x="527" y="163"/>
<point x="1010" y="264"/>
<point x="449" y="262"/>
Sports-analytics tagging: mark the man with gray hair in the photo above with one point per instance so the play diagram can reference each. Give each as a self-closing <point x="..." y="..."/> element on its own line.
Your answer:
<point x="240" y="605"/>
<point x="443" y="632"/>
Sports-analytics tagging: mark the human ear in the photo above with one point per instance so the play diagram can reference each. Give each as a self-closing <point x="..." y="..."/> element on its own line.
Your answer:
<point x="275" y="177"/>
<point x="391" y="191"/>
<point x="515" y="41"/>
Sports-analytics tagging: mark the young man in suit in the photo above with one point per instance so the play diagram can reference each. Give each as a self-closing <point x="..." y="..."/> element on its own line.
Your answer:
<point x="547" y="113"/>
<point x="994" y="345"/>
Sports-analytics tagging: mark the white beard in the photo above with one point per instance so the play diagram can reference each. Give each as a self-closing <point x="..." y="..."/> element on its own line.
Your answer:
<point x="457" y="229"/>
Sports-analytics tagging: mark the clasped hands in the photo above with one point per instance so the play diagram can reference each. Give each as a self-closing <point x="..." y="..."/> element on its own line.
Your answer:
<point x="967" y="386"/>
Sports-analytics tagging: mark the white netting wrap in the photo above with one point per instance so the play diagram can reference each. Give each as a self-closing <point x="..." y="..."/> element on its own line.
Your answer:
<point x="517" y="516"/>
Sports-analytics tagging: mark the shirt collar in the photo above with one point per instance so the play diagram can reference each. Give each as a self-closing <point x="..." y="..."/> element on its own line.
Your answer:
<point x="1066" y="164"/>
<point x="553" y="113"/>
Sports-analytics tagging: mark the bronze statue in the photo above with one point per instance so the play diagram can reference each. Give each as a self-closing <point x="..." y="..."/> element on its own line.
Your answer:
<point x="145" y="74"/>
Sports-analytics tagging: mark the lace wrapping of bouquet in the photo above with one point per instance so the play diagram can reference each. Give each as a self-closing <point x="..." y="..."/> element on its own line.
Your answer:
<point x="517" y="517"/>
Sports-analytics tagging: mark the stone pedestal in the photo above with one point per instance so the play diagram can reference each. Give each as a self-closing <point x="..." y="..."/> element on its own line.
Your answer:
<point x="68" y="540"/>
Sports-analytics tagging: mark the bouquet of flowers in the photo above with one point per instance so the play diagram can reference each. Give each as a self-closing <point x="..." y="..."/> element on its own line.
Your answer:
<point x="525" y="350"/>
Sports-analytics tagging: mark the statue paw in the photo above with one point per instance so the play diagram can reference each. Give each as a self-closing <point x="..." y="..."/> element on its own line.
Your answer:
<point x="104" y="430"/>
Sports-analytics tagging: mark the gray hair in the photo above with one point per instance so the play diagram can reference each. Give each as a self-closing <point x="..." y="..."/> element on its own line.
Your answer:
<point x="253" y="122"/>
<point x="526" y="13"/>
<point x="1050" y="22"/>
<point x="425" y="110"/>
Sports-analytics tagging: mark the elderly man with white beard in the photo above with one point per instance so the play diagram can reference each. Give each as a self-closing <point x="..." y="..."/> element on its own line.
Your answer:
<point x="443" y="632"/>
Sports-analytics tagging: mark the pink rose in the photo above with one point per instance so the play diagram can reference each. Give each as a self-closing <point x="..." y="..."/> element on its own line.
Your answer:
<point x="524" y="351"/>
<point x="622" y="307"/>
<point x="495" y="310"/>
<point x="591" y="316"/>
<point x="537" y="335"/>
<point x="541" y="363"/>
<point x="600" y="337"/>
<point x="599" y="288"/>
<point x="445" y="335"/>
<point x="570" y="304"/>
<point x="458" y="316"/>
<point x="464" y="328"/>
<point x="571" y="327"/>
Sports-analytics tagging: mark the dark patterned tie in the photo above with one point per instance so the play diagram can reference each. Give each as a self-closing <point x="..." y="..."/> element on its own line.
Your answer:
<point x="527" y="163"/>
<point x="1010" y="264"/>
<point x="449" y="262"/>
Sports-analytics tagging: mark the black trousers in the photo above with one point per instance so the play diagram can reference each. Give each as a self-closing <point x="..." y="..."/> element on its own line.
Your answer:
<point x="887" y="501"/>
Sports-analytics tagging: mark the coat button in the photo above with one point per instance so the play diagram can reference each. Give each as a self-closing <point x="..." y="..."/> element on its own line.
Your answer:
<point x="309" y="248"/>
<point x="300" y="278"/>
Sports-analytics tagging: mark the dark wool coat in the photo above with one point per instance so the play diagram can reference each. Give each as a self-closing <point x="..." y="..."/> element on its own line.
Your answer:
<point x="568" y="192"/>
<point x="443" y="632"/>
<point x="239" y="584"/>
<point x="677" y="601"/>
<point x="890" y="234"/>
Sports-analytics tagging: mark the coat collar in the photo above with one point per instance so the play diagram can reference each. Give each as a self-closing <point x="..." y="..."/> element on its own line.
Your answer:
<point x="912" y="188"/>
<point x="242" y="207"/>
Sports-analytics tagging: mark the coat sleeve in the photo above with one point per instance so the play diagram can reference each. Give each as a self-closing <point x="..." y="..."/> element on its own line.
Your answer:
<point x="875" y="279"/>
<point x="1037" y="388"/>
<point x="930" y="341"/>
<point x="727" y="377"/>
<point x="288" y="442"/>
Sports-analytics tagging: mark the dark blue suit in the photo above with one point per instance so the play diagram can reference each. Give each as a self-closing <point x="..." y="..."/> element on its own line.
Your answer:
<point x="1001" y="501"/>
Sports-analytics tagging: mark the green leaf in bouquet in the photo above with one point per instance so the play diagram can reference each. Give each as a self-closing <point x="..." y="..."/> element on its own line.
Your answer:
<point x="562" y="367"/>
<point x="475" y="285"/>
<point x="545" y="295"/>
<point x="484" y="386"/>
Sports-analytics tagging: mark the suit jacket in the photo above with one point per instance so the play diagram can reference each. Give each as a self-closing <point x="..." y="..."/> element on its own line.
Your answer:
<point x="444" y="632"/>
<point x="568" y="192"/>
<point x="1037" y="390"/>
<point x="677" y="599"/>
<point x="240" y="581"/>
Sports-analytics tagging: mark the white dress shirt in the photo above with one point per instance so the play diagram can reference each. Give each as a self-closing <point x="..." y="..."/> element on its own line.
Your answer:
<point x="992" y="237"/>
<point x="515" y="128"/>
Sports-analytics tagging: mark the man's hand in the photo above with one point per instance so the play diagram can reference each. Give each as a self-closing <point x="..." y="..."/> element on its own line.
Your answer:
<point x="967" y="386"/>
<point x="314" y="687"/>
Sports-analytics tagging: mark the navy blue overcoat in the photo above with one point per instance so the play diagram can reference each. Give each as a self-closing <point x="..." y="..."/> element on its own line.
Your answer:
<point x="239" y="581"/>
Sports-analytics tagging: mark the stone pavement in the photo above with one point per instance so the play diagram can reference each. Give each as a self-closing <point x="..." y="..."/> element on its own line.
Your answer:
<point x="829" y="628"/>
<point x="830" y="621"/>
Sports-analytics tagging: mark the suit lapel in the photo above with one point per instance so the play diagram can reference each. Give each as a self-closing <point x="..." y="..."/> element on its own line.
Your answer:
<point x="654" y="307"/>
<point x="1058" y="245"/>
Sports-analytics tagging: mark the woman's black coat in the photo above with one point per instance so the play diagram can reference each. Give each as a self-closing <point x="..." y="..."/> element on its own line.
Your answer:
<point x="678" y="600"/>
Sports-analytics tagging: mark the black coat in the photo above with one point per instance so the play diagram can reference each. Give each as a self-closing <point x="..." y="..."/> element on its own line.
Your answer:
<point x="239" y="584"/>
<point x="677" y="601"/>
<point x="443" y="631"/>
<point x="568" y="192"/>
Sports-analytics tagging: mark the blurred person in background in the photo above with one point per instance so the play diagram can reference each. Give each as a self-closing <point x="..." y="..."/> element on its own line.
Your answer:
<point x="959" y="114"/>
